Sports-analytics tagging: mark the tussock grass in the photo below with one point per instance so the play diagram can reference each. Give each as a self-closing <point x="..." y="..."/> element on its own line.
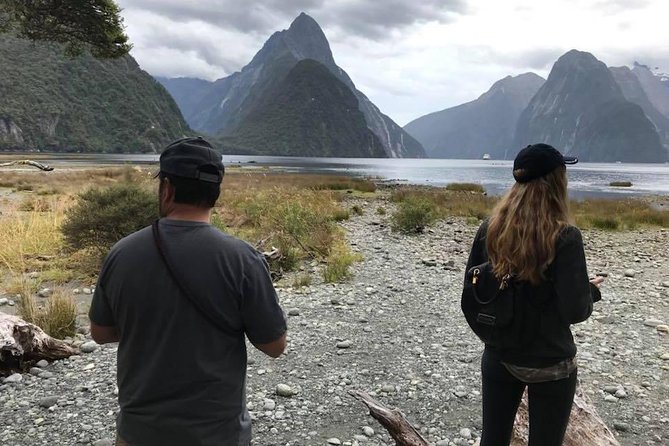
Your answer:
<point x="58" y="317"/>
<point x="301" y="281"/>
<point x="28" y="236"/>
<point x="419" y="207"/>
<point x="299" y="222"/>
<point x="357" y="210"/>
<point x="339" y="262"/>
<point x="465" y="187"/>
<point x="618" y="214"/>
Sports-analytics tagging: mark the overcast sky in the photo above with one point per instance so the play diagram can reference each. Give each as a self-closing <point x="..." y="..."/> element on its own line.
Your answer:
<point x="411" y="57"/>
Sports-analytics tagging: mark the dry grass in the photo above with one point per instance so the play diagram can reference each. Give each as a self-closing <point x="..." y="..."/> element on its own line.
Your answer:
<point x="339" y="262"/>
<point x="618" y="214"/>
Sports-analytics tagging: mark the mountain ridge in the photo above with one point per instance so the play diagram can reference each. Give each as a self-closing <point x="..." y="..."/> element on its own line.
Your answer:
<point x="485" y="125"/>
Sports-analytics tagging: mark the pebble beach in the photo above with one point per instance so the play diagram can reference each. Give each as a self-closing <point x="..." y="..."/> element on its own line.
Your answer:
<point x="395" y="331"/>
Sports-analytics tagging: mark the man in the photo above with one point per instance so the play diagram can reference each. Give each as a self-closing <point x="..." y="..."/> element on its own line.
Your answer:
<point x="182" y="353"/>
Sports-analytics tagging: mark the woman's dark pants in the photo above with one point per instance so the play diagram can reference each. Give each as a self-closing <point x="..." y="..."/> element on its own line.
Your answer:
<point x="549" y="405"/>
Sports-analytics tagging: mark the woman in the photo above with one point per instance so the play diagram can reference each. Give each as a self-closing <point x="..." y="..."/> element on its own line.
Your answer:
<point x="529" y="237"/>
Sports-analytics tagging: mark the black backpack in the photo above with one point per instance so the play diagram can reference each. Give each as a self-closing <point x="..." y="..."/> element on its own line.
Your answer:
<point x="490" y="306"/>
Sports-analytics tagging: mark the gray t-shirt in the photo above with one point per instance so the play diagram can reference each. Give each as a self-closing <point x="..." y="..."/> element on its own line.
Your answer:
<point x="181" y="380"/>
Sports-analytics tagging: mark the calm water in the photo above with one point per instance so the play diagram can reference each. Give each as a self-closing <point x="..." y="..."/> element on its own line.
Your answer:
<point x="585" y="179"/>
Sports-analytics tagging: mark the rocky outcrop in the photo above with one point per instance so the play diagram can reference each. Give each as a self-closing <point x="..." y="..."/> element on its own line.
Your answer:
<point x="10" y="133"/>
<point x="581" y="110"/>
<point x="654" y="86"/>
<point x="225" y="103"/>
<point x="485" y="125"/>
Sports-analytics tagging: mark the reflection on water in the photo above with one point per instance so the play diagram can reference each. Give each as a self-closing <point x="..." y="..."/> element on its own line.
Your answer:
<point x="585" y="179"/>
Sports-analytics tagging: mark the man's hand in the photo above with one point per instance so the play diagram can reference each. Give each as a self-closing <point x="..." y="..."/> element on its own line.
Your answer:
<point x="103" y="334"/>
<point x="274" y="348"/>
<point x="597" y="281"/>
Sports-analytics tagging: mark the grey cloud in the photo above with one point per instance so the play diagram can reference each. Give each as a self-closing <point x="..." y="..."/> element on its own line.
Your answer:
<point x="371" y="19"/>
<point x="617" y="6"/>
<point x="374" y="19"/>
<point x="535" y="58"/>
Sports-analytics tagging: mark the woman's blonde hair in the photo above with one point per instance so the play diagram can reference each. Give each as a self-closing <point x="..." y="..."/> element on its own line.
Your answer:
<point x="525" y="224"/>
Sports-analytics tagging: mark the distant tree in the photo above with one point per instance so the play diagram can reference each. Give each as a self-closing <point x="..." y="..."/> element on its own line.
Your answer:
<point x="78" y="24"/>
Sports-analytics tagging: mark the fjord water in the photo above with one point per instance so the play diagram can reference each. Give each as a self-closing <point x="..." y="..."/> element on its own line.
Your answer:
<point x="585" y="179"/>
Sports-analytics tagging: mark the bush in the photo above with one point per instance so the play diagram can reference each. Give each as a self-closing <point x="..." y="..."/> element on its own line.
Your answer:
<point x="413" y="215"/>
<point x="381" y="210"/>
<point x="357" y="210"/>
<point x="101" y="217"/>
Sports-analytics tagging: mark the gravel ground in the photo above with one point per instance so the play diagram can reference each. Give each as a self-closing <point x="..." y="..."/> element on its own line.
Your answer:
<point x="396" y="331"/>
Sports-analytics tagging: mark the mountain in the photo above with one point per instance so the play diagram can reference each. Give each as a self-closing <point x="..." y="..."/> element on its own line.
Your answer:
<point x="309" y="113"/>
<point x="581" y="110"/>
<point x="655" y="88"/>
<point x="485" y="125"/>
<point x="52" y="102"/>
<point x="223" y="105"/>
<point x="633" y="91"/>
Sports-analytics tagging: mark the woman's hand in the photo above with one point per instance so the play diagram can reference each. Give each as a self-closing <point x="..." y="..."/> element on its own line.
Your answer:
<point x="597" y="281"/>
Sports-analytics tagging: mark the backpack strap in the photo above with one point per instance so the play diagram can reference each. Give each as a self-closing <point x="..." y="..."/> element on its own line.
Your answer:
<point x="197" y="304"/>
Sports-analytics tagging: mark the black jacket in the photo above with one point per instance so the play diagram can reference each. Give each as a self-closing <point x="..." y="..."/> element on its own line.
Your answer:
<point x="549" y="308"/>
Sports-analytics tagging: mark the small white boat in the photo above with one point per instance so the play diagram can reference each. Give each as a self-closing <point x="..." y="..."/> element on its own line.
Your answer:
<point x="486" y="156"/>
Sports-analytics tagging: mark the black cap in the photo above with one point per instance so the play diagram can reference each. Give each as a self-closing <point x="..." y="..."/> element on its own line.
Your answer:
<point x="537" y="160"/>
<point x="194" y="158"/>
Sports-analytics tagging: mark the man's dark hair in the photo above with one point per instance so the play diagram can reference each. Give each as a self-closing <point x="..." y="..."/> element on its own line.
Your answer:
<point x="194" y="192"/>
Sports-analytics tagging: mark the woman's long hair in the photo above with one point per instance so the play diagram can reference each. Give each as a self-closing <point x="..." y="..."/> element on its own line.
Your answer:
<point x="525" y="224"/>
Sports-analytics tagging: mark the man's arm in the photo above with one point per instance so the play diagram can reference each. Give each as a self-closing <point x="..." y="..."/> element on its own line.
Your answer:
<point x="274" y="348"/>
<point x="104" y="334"/>
<point x="264" y="320"/>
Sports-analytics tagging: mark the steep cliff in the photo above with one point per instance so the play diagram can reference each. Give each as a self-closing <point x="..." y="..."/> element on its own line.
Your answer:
<point x="581" y="110"/>
<point x="51" y="102"/>
<point x="309" y="113"/>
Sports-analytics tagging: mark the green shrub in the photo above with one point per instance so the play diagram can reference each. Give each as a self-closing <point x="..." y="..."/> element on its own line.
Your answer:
<point x="381" y="210"/>
<point x="414" y="214"/>
<point x="357" y="210"/>
<point x="101" y="217"/>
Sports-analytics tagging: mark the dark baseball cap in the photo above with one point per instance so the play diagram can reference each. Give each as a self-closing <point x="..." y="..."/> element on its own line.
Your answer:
<point x="537" y="160"/>
<point x="194" y="158"/>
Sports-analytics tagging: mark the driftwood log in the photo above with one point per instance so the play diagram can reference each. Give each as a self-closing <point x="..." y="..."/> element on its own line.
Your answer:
<point x="22" y="341"/>
<point x="585" y="426"/>
<point x="32" y="163"/>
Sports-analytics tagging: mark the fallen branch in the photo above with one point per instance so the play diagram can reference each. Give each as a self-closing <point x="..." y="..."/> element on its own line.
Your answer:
<point x="392" y="420"/>
<point x="32" y="163"/>
<point x="585" y="426"/>
<point x="20" y="340"/>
